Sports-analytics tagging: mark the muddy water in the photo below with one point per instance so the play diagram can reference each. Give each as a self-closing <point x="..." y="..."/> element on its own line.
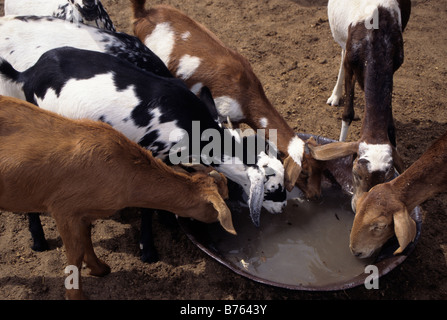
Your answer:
<point x="308" y="244"/>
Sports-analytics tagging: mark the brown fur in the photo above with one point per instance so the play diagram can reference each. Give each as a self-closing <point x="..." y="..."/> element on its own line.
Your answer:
<point x="372" y="56"/>
<point x="79" y="171"/>
<point x="225" y="72"/>
<point x="384" y="210"/>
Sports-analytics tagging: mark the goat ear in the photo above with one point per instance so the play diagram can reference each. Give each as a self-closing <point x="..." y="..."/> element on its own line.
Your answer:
<point x="223" y="213"/>
<point x="207" y="99"/>
<point x="292" y="171"/>
<point x="405" y="229"/>
<point x="256" y="196"/>
<point x="333" y="150"/>
<point x="398" y="162"/>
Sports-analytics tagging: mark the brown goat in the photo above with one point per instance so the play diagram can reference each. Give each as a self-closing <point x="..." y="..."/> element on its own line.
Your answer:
<point x="194" y="54"/>
<point x="81" y="170"/>
<point x="384" y="210"/>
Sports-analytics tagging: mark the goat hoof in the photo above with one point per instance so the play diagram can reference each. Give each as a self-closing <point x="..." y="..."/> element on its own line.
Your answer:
<point x="100" y="270"/>
<point x="149" y="257"/>
<point x="333" y="101"/>
<point x="40" y="246"/>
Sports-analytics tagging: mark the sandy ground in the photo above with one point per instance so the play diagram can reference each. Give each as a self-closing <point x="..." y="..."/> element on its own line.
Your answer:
<point x="292" y="51"/>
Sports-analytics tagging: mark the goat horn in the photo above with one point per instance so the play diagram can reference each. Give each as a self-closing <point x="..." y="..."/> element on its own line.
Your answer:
<point x="230" y="125"/>
<point x="216" y="175"/>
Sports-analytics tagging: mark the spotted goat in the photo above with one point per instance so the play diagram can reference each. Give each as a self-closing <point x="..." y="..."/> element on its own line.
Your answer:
<point x="150" y="110"/>
<point x="90" y="12"/>
<point x="196" y="55"/>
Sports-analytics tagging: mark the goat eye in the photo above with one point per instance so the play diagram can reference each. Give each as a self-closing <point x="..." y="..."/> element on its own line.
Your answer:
<point x="378" y="227"/>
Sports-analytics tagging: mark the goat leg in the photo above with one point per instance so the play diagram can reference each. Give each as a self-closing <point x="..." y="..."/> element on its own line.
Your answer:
<point x="348" y="111"/>
<point x="73" y="231"/>
<point x="37" y="233"/>
<point x="149" y="252"/>
<point x="334" y="99"/>
<point x="97" y="267"/>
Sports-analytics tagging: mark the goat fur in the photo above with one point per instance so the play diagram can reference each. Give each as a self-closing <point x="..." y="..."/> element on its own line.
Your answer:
<point x="81" y="170"/>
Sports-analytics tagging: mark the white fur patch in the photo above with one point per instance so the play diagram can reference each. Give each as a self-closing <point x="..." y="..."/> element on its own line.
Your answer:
<point x="344" y="130"/>
<point x="296" y="149"/>
<point x="185" y="35"/>
<point x="196" y="87"/>
<point x="380" y="156"/>
<point x="164" y="130"/>
<point x="11" y="88"/>
<point x="343" y="13"/>
<point x="22" y="36"/>
<point x="187" y="66"/>
<point x="92" y="99"/>
<point x="263" y="122"/>
<point x="229" y="107"/>
<point x="32" y="7"/>
<point x="161" y="41"/>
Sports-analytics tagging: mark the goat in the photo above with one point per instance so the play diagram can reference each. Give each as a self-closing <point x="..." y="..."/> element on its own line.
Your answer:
<point x="196" y="55"/>
<point x="31" y="36"/>
<point x="28" y="37"/>
<point x="372" y="56"/>
<point x="154" y="111"/>
<point x="384" y="210"/>
<point x="361" y="42"/>
<point x="82" y="170"/>
<point x="89" y="12"/>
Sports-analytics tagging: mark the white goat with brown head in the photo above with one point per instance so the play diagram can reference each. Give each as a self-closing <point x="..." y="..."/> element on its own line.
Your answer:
<point x="371" y="54"/>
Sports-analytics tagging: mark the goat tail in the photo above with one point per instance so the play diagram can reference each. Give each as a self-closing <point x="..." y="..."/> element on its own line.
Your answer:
<point x="8" y="72"/>
<point x="138" y="8"/>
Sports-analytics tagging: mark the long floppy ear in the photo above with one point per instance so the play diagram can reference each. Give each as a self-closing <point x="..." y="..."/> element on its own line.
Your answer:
<point x="333" y="150"/>
<point x="292" y="171"/>
<point x="256" y="196"/>
<point x="223" y="213"/>
<point x="222" y="183"/>
<point x="398" y="162"/>
<point x="405" y="229"/>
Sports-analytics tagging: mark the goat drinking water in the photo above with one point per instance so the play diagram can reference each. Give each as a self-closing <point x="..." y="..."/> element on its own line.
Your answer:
<point x="156" y="112"/>
<point x="193" y="53"/>
<point x="81" y="170"/>
<point x="371" y="55"/>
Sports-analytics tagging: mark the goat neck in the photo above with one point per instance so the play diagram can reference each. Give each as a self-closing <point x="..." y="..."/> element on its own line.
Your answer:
<point x="425" y="177"/>
<point x="192" y="195"/>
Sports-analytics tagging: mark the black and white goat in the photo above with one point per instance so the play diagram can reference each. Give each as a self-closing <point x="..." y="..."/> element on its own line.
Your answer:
<point x="90" y="12"/>
<point x="157" y="112"/>
<point x="370" y="33"/>
<point x="28" y="37"/>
